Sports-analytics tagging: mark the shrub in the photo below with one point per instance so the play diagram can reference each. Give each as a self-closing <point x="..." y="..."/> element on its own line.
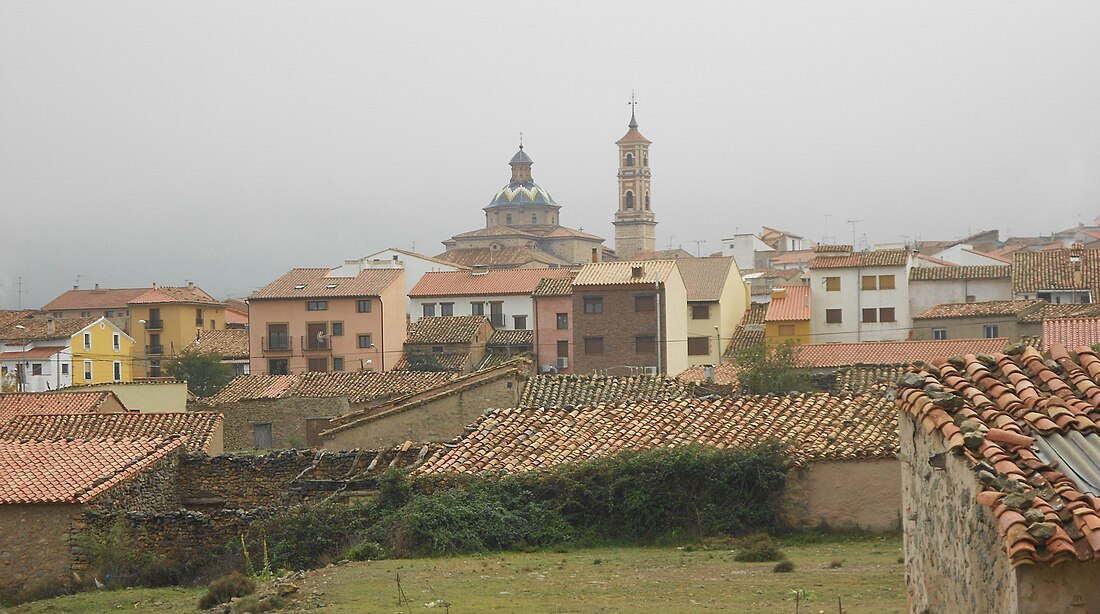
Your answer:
<point x="253" y="604"/>
<point x="365" y="551"/>
<point x="836" y="564"/>
<point x="783" y="566"/>
<point x="225" y="588"/>
<point x="395" y="489"/>
<point x="306" y="535"/>
<point x="757" y="548"/>
<point x="113" y="557"/>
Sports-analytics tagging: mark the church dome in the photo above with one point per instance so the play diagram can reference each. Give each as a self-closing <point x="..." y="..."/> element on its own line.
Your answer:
<point x="521" y="190"/>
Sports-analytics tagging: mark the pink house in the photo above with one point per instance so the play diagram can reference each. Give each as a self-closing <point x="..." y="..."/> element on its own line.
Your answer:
<point x="313" y="320"/>
<point x="553" y="305"/>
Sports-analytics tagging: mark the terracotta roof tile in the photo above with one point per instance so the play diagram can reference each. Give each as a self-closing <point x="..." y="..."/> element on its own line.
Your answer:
<point x="705" y="278"/>
<point x="1005" y="415"/>
<point x="621" y="273"/>
<point x="1054" y="270"/>
<point x="724" y="375"/>
<point x="40" y="329"/>
<point x="866" y="378"/>
<point x="412" y="254"/>
<point x="356" y="386"/>
<point x="984" y="308"/>
<point x="512" y="337"/>
<point x="750" y="331"/>
<point x="28" y="403"/>
<point x="73" y="471"/>
<point x="228" y="343"/>
<point x="1065" y="310"/>
<point x="794" y="306"/>
<point x="445" y="329"/>
<point x="821" y="355"/>
<point x="166" y="294"/>
<point x="889" y="257"/>
<point x="555" y="286"/>
<point x="579" y="390"/>
<point x="495" y="358"/>
<point x="32" y="353"/>
<point x="196" y="427"/>
<point x="1071" y="332"/>
<point x="504" y="257"/>
<point x="817" y="427"/>
<point x="801" y="256"/>
<point x="483" y="283"/>
<point x="107" y="298"/>
<point x="947" y="273"/>
<point x="451" y="362"/>
<point x="317" y="283"/>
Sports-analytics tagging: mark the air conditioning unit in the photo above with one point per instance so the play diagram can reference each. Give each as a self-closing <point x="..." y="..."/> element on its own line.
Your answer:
<point x="563" y="363"/>
<point x="651" y="370"/>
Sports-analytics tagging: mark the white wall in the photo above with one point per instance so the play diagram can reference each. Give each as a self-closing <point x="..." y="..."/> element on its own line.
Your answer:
<point x="513" y="305"/>
<point x="743" y="248"/>
<point x="851" y="299"/>
<point x="51" y="378"/>
<point x="964" y="254"/>
<point x="415" y="268"/>
<point x="924" y="295"/>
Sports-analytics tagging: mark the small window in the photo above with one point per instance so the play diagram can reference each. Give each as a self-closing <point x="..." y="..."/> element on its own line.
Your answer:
<point x="629" y="200"/>
<point x="870" y="315"/>
<point x="939" y="334"/>
<point x="698" y="346"/>
<point x="446" y="309"/>
<point x="630" y="159"/>
<point x="786" y="330"/>
<point x="299" y="286"/>
<point x="886" y="282"/>
<point x="700" y="312"/>
<point x="116" y="341"/>
<point x="363" y="305"/>
<point x="832" y="316"/>
<point x="338" y="363"/>
<point x="990" y="331"/>
<point x="508" y="219"/>
<point x="832" y="284"/>
<point x="87" y="370"/>
<point x="117" y="372"/>
<point x="337" y="329"/>
<point x="886" y="314"/>
<point x="364" y="341"/>
<point x="278" y="366"/>
<point x="331" y="286"/>
<point x="645" y="344"/>
<point x="437" y="349"/>
<point x="593" y="345"/>
<point x="85" y="314"/>
<point x="970" y="298"/>
<point x="870" y="282"/>
<point x="36" y="368"/>
<point x="519" y="322"/>
<point x="534" y="218"/>
<point x="198" y="317"/>
<point x="563" y="349"/>
<point x="64" y="368"/>
<point x="645" y="303"/>
<point x="109" y="313"/>
<point x="593" y="304"/>
<point x="429" y="309"/>
<point x="477" y="309"/>
<point x="319" y="365"/>
<point x="563" y="321"/>
<point x="154" y="368"/>
<point x="316" y="305"/>
<point x="87" y="341"/>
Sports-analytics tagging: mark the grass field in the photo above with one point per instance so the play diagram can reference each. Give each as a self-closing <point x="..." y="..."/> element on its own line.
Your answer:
<point x="863" y="571"/>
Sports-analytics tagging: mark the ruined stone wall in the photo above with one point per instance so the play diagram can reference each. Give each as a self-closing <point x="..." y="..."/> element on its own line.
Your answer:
<point x="287" y="418"/>
<point x="1070" y="588"/>
<point x="954" y="557"/>
<point x="152" y="490"/>
<point x="849" y="494"/>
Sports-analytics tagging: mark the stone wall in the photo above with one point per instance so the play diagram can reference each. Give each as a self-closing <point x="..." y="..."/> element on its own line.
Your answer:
<point x="287" y="418"/>
<point x="954" y="557"/>
<point x="34" y="545"/>
<point x="852" y="494"/>
<point x="1070" y="588"/>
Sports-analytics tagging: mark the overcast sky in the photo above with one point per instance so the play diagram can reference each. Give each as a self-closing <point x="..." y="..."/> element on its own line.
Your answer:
<point x="226" y="142"/>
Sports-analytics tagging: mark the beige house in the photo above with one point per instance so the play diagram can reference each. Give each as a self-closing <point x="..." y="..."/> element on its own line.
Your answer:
<point x="717" y="298"/>
<point x="148" y="396"/>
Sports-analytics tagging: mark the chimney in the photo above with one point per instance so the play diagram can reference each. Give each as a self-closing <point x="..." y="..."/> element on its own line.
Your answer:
<point x="97" y="286"/>
<point x="51" y="327"/>
<point x="190" y="285"/>
<point x="779" y="293"/>
<point x="395" y="258"/>
<point x="595" y="255"/>
<point x="76" y="287"/>
<point x="637" y="271"/>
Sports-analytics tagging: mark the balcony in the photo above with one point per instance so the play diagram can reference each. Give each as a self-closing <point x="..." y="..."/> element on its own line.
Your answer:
<point x="277" y="344"/>
<point x="313" y="344"/>
<point x="154" y="324"/>
<point x="198" y="321"/>
<point x="153" y="350"/>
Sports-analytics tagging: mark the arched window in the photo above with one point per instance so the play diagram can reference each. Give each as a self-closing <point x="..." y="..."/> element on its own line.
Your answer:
<point x="508" y="219"/>
<point x="647" y="200"/>
<point x="534" y="218"/>
<point x="630" y="159"/>
<point x="629" y="200"/>
<point x="645" y="160"/>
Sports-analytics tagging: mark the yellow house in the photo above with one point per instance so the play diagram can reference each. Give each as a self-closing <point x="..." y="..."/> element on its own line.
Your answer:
<point x="717" y="298"/>
<point x="101" y="353"/>
<point x="165" y="320"/>
<point x="788" y="316"/>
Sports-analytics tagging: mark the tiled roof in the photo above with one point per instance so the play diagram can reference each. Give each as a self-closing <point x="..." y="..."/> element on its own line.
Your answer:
<point x="1065" y="310"/>
<point x="1054" y="270"/>
<point x="107" y="298"/>
<point x="445" y="329"/>
<point x="504" y="257"/>
<point x="196" y="427"/>
<point x="800" y="256"/>
<point x="512" y="337"/>
<point x="38" y="329"/>
<point x="413" y="254"/>
<point x="817" y="427"/>
<point x="821" y="355"/>
<point x="316" y="283"/>
<point x="886" y="257"/>
<point x="26" y="403"/>
<point x="724" y="375"/>
<point x="750" y="331"/>
<point x="9" y="317"/>
<point x="165" y="294"/>
<point x="665" y="254"/>
<point x="30" y="353"/>
<point x="1071" y="332"/>
<point x="580" y="390"/>
<point x="984" y="308"/>
<point x="1029" y="429"/>
<point x="562" y="231"/>
<point x="555" y="286"/>
<point x="621" y="273"/>
<point x="495" y="358"/>
<point x="448" y="361"/>
<point x="357" y="386"/>
<point x="73" y="471"/>
<point x="495" y="231"/>
<point x="229" y="343"/>
<point x="234" y="316"/>
<point x="794" y="306"/>
<point x="483" y="283"/>
<point x="866" y="378"/>
<point x="705" y="278"/>
<point x="950" y="273"/>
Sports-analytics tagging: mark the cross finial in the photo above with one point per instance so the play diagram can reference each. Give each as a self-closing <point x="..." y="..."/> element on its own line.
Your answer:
<point x="521" y="140"/>
<point x="633" y="103"/>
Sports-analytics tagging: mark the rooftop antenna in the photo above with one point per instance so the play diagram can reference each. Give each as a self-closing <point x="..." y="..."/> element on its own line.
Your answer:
<point x="19" y="300"/>
<point x="853" y="223"/>
<point x="698" y="243"/>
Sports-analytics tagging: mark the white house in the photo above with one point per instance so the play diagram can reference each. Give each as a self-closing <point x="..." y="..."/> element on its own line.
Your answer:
<point x="931" y="286"/>
<point x="744" y="248"/>
<point x="47" y="364"/>
<point x="504" y="295"/>
<point x="415" y="265"/>
<point x="859" y="296"/>
<point x="964" y="254"/>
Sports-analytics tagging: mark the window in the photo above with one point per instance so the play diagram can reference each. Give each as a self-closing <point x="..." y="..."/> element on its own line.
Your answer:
<point x="645" y="344"/>
<point x="563" y="349"/>
<point x="117" y="372"/>
<point x="85" y="314"/>
<point x="337" y="329"/>
<point x="700" y="312"/>
<point x="362" y="305"/>
<point x="870" y="282"/>
<point x="316" y="305"/>
<point x="990" y="331"/>
<point x="832" y="284"/>
<point x="154" y="368"/>
<point x="317" y="336"/>
<point x="496" y="313"/>
<point x="939" y="334"/>
<point x="629" y="200"/>
<point x="534" y="218"/>
<point x="116" y="341"/>
<point x="338" y="364"/>
<point x="645" y="303"/>
<point x="278" y="366"/>
<point x="647" y="200"/>
<point x="508" y="219"/>
<point x="832" y="316"/>
<point x="886" y="282"/>
<point x="519" y="322"/>
<point x="64" y="368"/>
<point x="446" y="309"/>
<point x="593" y="345"/>
<point x="970" y="298"/>
<point x="36" y="368"/>
<point x="870" y="315"/>
<point x="318" y="364"/>
<point x="261" y="436"/>
<point x="429" y="309"/>
<point x="87" y="341"/>
<point x="630" y="159"/>
<point x="886" y="314"/>
<point x="698" y="346"/>
<point x="364" y="341"/>
<point x="477" y="309"/>
<point x="109" y="313"/>
<point x="278" y="337"/>
<point x="593" y="304"/>
<point x="563" y="321"/>
<point x="198" y="317"/>
<point x="87" y="370"/>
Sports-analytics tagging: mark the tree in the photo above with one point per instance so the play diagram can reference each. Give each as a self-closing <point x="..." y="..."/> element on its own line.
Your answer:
<point x="420" y="360"/>
<point x="204" y="373"/>
<point x="763" y="369"/>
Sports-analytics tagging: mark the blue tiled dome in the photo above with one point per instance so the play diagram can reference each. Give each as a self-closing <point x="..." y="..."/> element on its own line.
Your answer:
<point x="521" y="193"/>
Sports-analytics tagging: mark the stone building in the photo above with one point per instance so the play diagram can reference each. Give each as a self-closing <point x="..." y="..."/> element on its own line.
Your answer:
<point x="455" y="343"/>
<point x="635" y="223"/>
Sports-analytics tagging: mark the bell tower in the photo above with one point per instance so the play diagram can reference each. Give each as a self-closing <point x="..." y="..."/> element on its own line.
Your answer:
<point x="635" y="224"/>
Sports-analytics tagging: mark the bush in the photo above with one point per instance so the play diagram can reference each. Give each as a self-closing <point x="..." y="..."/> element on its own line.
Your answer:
<point x="783" y="566"/>
<point x="396" y="489"/>
<point x="113" y="558"/>
<point x="307" y="535"/>
<point x="365" y="551"/>
<point x="757" y="548"/>
<point x="225" y="588"/>
<point x="253" y="604"/>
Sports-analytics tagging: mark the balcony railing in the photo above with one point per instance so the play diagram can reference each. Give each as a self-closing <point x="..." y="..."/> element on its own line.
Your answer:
<point x="198" y="321"/>
<point x="279" y="343"/>
<point x="154" y="324"/>
<point x="154" y="349"/>
<point x="311" y="343"/>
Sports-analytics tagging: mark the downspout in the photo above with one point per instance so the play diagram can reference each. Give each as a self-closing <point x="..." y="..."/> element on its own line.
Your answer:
<point x="657" y="289"/>
<point x="859" y="304"/>
<point x="382" y="334"/>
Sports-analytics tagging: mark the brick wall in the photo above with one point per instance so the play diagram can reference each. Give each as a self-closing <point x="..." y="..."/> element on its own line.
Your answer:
<point x="287" y="418"/>
<point x="619" y="324"/>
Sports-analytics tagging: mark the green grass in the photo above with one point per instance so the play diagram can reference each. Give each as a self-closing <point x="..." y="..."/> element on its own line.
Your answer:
<point x="694" y="577"/>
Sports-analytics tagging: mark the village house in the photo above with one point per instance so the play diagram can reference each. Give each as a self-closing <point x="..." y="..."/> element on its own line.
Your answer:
<point x="716" y="301"/>
<point x="231" y="344"/>
<point x="859" y="296"/>
<point x="43" y="403"/>
<point x="453" y="343"/>
<point x="552" y="301"/>
<point x="110" y="303"/>
<point x="977" y="320"/>
<point x="201" y="431"/>
<point x="1057" y="276"/>
<point x="630" y="316"/>
<point x="414" y="264"/>
<point x="998" y="458"/>
<point x="504" y="296"/>
<point x="787" y="318"/>
<point x="938" y="285"/>
<point x="146" y="395"/>
<point x="48" y="354"/>
<point x="165" y="320"/>
<point x="321" y="320"/>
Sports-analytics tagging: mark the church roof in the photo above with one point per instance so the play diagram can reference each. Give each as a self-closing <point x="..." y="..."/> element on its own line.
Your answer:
<point x="521" y="158"/>
<point x="522" y="193"/>
<point x="632" y="135"/>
